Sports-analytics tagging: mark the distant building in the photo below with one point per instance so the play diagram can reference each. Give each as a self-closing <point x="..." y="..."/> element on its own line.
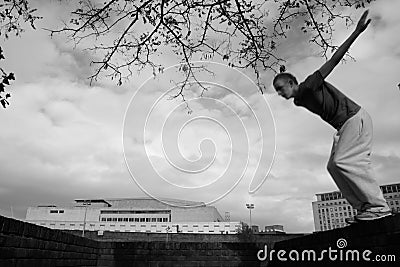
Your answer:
<point x="276" y="228"/>
<point x="132" y="215"/>
<point x="331" y="209"/>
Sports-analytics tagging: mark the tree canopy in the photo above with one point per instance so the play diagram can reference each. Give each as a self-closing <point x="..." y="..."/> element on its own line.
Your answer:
<point x="130" y="35"/>
<point x="13" y="15"/>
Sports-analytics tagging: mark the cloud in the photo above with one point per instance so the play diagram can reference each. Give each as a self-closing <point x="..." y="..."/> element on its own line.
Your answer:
<point x="61" y="139"/>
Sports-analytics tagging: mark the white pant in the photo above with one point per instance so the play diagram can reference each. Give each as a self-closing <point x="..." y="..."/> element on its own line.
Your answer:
<point x="350" y="164"/>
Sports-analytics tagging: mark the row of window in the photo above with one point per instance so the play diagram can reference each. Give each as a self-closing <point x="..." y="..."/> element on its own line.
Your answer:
<point x="391" y="188"/>
<point x="56" y="211"/>
<point x="385" y="189"/>
<point x="392" y="203"/>
<point x="331" y="196"/>
<point x="333" y="203"/>
<point x="134" y="219"/>
<point x="339" y="214"/>
<point x="323" y="210"/>
<point x="328" y="227"/>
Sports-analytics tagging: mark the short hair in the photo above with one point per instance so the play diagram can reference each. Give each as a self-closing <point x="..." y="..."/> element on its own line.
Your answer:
<point x="286" y="76"/>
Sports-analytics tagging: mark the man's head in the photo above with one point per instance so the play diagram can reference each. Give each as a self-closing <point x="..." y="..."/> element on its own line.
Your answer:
<point x="286" y="85"/>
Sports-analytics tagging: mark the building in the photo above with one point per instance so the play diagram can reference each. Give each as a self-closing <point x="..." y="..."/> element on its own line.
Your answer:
<point x="132" y="215"/>
<point x="276" y="228"/>
<point x="331" y="209"/>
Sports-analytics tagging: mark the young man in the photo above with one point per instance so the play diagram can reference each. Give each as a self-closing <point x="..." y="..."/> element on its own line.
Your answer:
<point x="349" y="163"/>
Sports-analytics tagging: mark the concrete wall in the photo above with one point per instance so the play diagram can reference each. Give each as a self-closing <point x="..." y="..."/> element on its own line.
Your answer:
<point x="70" y="214"/>
<point x="174" y="237"/>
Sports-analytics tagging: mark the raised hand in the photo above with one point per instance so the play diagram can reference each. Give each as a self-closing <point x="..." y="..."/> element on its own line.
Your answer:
<point x="363" y="22"/>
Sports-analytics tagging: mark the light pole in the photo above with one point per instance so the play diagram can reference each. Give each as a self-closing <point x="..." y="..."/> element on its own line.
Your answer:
<point x="250" y="207"/>
<point x="85" y="203"/>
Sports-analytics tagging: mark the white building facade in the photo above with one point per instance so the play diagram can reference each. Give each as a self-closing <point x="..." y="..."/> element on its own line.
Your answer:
<point x="132" y="215"/>
<point x="331" y="209"/>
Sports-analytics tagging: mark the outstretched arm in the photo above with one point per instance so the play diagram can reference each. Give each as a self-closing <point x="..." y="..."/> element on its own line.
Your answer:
<point x="327" y="68"/>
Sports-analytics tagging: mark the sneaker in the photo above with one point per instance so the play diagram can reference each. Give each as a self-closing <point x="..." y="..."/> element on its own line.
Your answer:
<point x="350" y="220"/>
<point x="372" y="215"/>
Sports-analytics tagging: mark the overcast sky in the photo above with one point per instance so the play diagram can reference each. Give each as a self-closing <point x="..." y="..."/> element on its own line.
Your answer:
<point x="62" y="139"/>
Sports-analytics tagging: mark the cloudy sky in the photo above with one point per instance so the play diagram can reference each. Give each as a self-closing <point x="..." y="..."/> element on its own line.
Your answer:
<point x="62" y="139"/>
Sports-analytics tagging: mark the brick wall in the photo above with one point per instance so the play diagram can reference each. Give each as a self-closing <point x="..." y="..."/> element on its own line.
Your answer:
<point x="381" y="237"/>
<point x="25" y="244"/>
<point x="178" y="254"/>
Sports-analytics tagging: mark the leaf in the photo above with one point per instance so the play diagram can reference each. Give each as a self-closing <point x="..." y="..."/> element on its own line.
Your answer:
<point x="1" y="87"/>
<point x="8" y="95"/>
<point x="4" y="103"/>
<point x="5" y="81"/>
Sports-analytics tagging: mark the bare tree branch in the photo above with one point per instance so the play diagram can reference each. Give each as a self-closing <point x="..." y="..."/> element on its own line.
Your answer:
<point x="235" y="31"/>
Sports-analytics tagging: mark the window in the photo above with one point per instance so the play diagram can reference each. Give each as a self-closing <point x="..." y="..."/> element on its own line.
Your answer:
<point x="131" y="219"/>
<point x="153" y="219"/>
<point x="159" y="219"/>
<point x="53" y="211"/>
<point x="114" y="219"/>
<point x="61" y="211"/>
<point x="103" y="219"/>
<point x="147" y="219"/>
<point x="125" y="219"/>
<point x="109" y="219"/>
<point x="120" y="219"/>
<point x="142" y="219"/>
<point x="136" y="219"/>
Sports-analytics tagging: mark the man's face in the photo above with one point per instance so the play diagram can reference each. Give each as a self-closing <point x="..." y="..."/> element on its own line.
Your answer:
<point x="284" y="88"/>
